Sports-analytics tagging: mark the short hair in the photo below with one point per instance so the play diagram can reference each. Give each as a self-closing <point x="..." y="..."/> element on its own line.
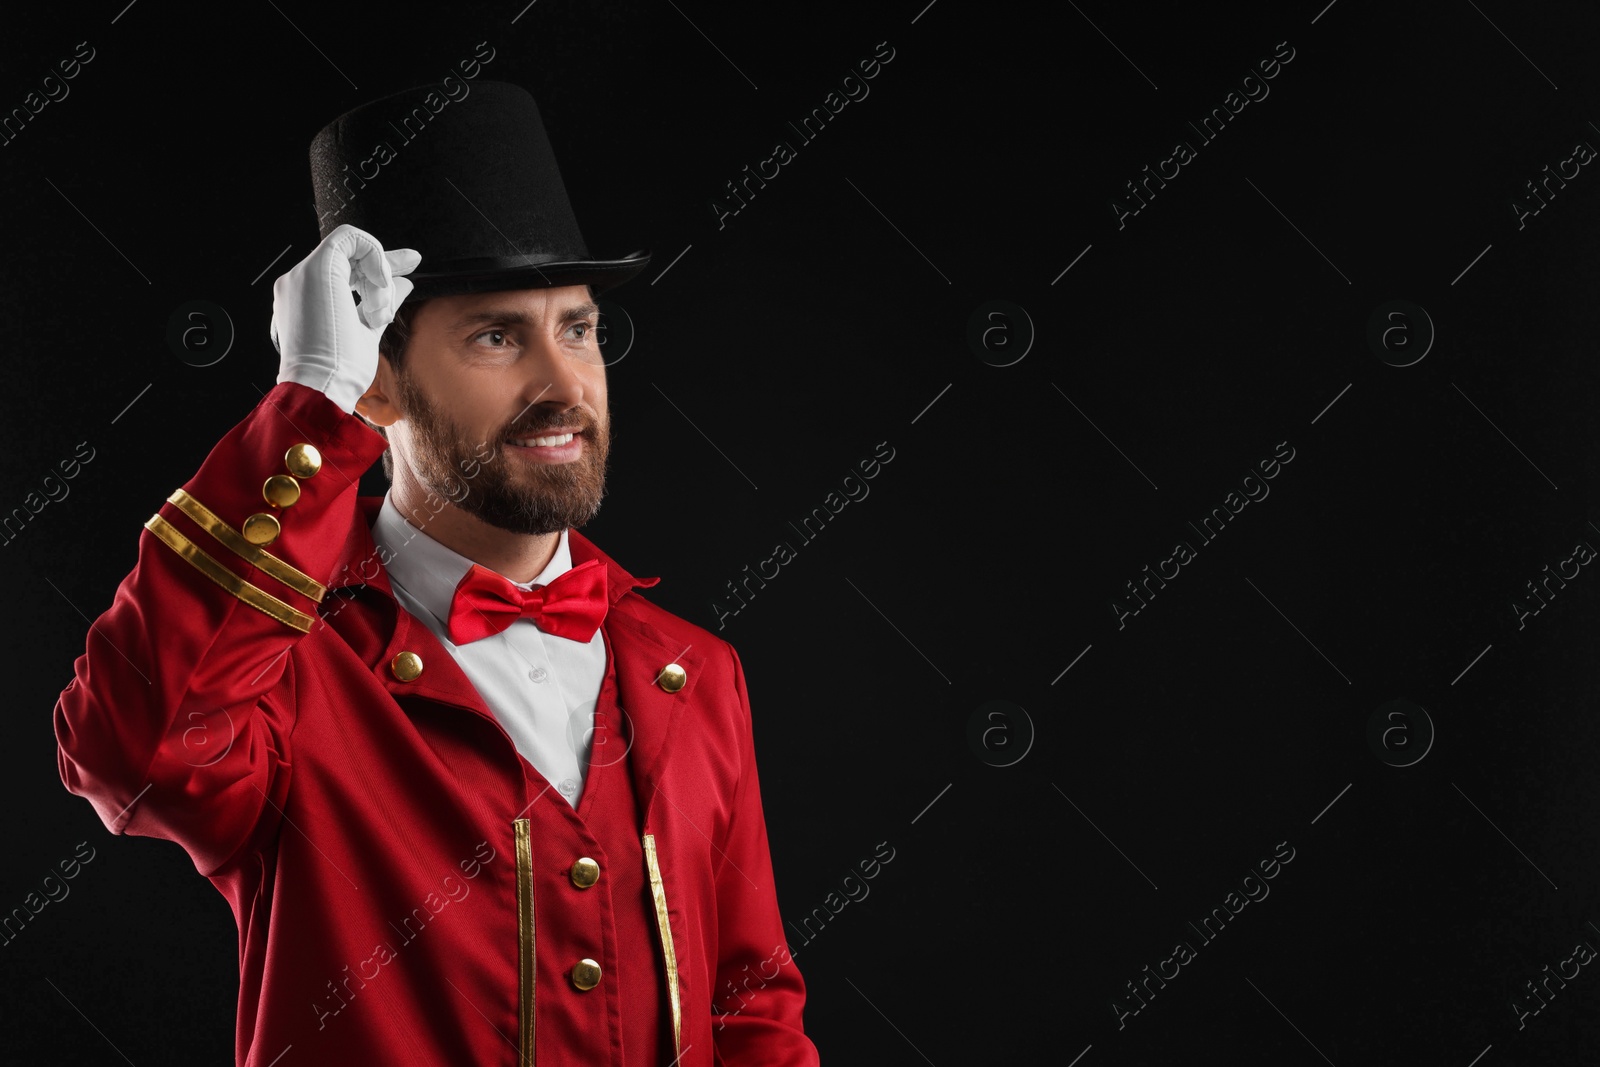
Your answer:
<point x="392" y="344"/>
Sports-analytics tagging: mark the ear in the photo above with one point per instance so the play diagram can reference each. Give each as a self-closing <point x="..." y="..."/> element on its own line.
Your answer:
<point x="377" y="403"/>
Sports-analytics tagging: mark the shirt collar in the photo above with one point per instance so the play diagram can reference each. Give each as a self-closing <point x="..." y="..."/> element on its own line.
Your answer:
<point x="429" y="571"/>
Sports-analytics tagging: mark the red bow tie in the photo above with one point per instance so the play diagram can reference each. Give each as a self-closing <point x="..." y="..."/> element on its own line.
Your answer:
<point x="572" y="606"/>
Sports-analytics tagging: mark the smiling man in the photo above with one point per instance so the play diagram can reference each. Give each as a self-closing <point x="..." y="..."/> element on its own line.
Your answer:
<point x="472" y="798"/>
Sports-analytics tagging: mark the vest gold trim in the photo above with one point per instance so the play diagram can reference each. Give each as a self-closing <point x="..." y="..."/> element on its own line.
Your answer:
<point x="234" y="542"/>
<point x="659" y="892"/>
<point x="259" y="599"/>
<point x="525" y="957"/>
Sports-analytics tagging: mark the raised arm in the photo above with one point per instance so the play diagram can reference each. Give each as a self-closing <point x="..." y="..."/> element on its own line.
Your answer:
<point x="177" y="721"/>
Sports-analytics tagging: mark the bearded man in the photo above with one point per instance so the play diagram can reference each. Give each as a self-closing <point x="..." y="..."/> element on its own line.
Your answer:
<point x="472" y="798"/>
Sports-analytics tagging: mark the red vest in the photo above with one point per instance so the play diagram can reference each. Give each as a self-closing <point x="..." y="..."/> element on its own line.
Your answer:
<point x="614" y="917"/>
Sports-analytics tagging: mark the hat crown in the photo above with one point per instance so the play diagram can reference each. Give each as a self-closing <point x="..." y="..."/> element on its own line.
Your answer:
<point x="462" y="172"/>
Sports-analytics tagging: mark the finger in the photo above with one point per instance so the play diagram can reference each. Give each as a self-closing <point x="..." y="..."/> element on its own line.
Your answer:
<point x="375" y="314"/>
<point x="372" y="285"/>
<point x="371" y="295"/>
<point x="384" y="303"/>
<point x="380" y="311"/>
<point x="364" y="254"/>
<point x="403" y="260"/>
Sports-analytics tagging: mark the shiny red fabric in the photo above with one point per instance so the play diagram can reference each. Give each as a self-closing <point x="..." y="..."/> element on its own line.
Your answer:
<point x="609" y="809"/>
<point x="570" y="606"/>
<point x="361" y="826"/>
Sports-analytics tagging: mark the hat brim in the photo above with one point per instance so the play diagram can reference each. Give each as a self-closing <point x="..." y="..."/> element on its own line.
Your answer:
<point x="521" y="272"/>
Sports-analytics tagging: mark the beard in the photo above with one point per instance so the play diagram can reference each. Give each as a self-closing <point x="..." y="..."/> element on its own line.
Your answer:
<point x="504" y="490"/>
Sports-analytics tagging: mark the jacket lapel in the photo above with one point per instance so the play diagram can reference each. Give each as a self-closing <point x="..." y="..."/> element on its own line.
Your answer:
<point x="390" y="629"/>
<point x="640" y="651"/>
<point x="654" y="715"/>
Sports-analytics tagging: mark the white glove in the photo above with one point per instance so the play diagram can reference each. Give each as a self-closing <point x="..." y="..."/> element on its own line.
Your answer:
<point x="323" y="339"/>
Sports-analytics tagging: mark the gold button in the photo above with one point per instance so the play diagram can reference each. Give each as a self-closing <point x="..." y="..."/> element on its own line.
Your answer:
<point x="585" y="872"/>
<point x="586" y="974"/>
<point x="407" y="666"/>
<point x="261" y="528"/>
<point x="671" y="678"/>
<point x="281" y="490"/>
<point x="303" y="460"/>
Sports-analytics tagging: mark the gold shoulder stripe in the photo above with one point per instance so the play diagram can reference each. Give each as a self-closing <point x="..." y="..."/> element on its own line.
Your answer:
<point x="208" y="566"/>
<point x="659" y="892"/>
<point x="234" y="542"/>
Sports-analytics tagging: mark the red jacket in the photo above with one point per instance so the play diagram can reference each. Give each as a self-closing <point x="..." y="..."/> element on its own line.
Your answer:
<point x="260" y="704"/>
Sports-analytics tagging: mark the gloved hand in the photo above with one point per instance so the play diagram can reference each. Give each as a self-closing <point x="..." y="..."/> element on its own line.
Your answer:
<point x="323" y="339"/>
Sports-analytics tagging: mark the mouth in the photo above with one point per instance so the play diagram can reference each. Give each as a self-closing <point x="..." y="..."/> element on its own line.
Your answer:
<point x="543" y="440"/>
<point x="549" y="447"/>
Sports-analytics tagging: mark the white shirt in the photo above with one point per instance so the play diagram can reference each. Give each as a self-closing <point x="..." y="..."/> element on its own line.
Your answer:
<point x="542" y="688"/>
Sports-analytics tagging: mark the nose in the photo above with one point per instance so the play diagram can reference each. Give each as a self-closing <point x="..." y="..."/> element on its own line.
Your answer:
<point x="555" y="381"/>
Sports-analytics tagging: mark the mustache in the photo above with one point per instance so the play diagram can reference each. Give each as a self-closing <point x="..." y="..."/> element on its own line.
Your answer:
<point x="546" y="429"/>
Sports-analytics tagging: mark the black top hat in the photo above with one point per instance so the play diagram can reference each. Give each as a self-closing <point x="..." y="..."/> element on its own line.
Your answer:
<point x="467" y="179"/>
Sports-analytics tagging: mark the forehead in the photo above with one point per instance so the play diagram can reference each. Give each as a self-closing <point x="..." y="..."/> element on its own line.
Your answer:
<point x="466" y="308"/>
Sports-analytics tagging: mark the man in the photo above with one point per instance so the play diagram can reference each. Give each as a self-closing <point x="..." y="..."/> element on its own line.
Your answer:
<point x="472" y="798"/>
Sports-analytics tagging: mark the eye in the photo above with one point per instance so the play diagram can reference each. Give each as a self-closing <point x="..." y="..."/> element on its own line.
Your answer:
<point x="587" y="329"/>
<point x="499" y="333"/>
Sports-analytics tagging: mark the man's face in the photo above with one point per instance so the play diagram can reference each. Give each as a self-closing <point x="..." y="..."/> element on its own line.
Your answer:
<point x="490" y="386"/>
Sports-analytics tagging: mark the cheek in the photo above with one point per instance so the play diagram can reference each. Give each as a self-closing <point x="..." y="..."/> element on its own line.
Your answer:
<point x="473" y="407"/>
<point x="594" y="386"/>
<point x="483" y="414"/>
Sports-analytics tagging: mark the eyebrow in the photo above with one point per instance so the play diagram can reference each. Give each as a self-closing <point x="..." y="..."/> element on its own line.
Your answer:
<point x="516" y="316"/>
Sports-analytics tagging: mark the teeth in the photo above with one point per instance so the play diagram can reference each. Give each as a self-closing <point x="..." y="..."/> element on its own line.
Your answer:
<point x="544" y="442"/>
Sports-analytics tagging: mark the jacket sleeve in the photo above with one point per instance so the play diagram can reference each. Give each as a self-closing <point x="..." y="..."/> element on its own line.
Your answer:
<point x="176" y="722"/>
<point x="760" y="995"/>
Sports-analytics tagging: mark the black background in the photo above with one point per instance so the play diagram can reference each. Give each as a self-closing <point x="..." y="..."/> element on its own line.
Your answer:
<point x="831" y="314"/>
